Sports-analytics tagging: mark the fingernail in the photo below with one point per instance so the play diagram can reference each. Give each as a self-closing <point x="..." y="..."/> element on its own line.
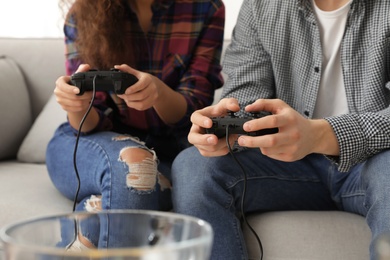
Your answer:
<point x="241" y="141"/>
<point x="210" y="140"/>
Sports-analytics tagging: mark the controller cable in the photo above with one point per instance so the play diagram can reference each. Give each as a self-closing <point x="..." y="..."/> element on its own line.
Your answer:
<point x="77" y="141"/>
<point x="244" y="193"/>
<point x="153" y="238"/>
<point x="75" y="159"/>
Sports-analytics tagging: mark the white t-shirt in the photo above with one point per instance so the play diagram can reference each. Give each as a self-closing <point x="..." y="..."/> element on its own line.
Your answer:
<point x="331" y="99"/>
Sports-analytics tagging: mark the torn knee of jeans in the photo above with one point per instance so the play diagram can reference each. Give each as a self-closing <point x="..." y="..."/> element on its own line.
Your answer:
<point x="121" y="138"/>
<point x="142" y="165"/>
<point x="164" y="182"/>
<point x="93" y="204"/>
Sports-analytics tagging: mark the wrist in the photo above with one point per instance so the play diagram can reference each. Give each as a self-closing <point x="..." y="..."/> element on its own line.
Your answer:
<point x="325" y="140"/>
<point x="90" y="122"/>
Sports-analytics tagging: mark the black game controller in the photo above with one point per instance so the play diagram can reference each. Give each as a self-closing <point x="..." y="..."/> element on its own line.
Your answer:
<point x="235" y="126"/>
<point x="112" y="80"/>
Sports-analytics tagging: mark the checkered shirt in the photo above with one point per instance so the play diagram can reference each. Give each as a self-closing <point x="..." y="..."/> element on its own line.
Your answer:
<point x="276" y="53"/>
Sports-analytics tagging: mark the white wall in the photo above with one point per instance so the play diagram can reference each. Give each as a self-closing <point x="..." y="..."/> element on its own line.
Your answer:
<point x="43" y="18"/>
<point x="28" y="18"/>
<point x="232" y="9"/>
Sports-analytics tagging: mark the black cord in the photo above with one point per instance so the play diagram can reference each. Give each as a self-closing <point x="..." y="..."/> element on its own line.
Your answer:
<point x="76" y="232"/>
<point x="244" y="193"/>
<point x="77" y="142"/>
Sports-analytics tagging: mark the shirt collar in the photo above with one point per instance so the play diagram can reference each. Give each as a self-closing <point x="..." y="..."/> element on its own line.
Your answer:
<point x="305" y="6"/>
<point x="305" y="3"/>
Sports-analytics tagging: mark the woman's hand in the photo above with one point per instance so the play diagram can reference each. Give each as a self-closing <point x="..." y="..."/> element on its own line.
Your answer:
<point x="76" y="106"/>
<point x="145" y="93"/>
<point x="66" y="94"/>
<point x="149" y="92"/>
<point x="297" y="136"/>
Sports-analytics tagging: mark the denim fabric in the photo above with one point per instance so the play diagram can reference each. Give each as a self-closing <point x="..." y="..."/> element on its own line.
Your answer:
<point x="108" y="231"/>
<point x="102" y="173"/>
<point x="211" y="188"/>
<point x="117" y="230"/>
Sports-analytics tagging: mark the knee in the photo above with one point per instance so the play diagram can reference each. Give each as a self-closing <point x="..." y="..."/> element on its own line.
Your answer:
<point x="378" y="167"/>
<point x="185" y="164"/>
<point x="93" y="204"/>
<point x="142" y="164"/>
<point x="187" y="158"/>
<point x="192" y="172"/>
<point x="377" y="174"/>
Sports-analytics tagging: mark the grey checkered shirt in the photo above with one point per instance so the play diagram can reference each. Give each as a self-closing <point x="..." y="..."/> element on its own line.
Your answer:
<point x="276" y="53"/>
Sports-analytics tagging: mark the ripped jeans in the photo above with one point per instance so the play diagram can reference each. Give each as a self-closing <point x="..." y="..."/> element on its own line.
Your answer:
<point x="107" y="177"/>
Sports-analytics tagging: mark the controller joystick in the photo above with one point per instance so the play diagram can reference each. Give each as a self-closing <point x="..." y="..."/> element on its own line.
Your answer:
<point x="112" y="80"/>
<point x="235" y="125"/>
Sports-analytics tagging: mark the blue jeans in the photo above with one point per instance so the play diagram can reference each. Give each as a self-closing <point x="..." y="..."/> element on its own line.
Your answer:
<point x="107" y="231"/>
<point x="211" y="188"/>
<point x="102" y="173"/>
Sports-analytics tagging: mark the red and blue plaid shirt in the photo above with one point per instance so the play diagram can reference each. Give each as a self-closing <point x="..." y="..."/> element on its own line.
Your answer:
<point x="183" y="49"/>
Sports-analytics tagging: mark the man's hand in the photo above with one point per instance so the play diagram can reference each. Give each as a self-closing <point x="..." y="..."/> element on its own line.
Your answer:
<point x="209" y="144"/>
<point x="297" y="136"/>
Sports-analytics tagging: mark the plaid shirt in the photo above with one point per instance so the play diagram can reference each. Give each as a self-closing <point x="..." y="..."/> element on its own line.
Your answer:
<point x="183" y="49"/>
<point x="276" y="53"/>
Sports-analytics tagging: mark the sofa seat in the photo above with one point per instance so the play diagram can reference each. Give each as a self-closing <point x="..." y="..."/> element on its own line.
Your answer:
<point x="309" y="235"/>
<point x="27" y="192"/>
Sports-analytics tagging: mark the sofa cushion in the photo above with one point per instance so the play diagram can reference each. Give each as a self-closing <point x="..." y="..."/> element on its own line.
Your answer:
<point x="26" y="191"/>
<point x="33" y="148"/>
<point x="41" y="60"/>
<point x="15" y="108"/>
<point x="307" y="235"/>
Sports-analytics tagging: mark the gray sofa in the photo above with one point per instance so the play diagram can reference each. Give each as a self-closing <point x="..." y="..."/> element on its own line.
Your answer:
<point x="28" y="117"/>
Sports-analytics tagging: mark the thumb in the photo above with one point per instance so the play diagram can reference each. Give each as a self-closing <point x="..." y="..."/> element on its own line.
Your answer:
<point x="83" y="68"/>
<point x="128" y="69"/>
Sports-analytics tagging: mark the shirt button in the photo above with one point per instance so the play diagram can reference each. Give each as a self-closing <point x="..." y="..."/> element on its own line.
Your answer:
<point x="317" y="69"/>
<point x="307" y="113"/>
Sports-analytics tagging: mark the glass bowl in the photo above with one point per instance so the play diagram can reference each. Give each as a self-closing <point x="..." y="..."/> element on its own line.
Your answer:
<point x="113" y="234"/>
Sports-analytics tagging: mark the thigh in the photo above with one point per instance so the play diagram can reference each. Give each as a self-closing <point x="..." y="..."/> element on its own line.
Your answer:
<point x="269" y="184"/>
<point x="266" y="183"/>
